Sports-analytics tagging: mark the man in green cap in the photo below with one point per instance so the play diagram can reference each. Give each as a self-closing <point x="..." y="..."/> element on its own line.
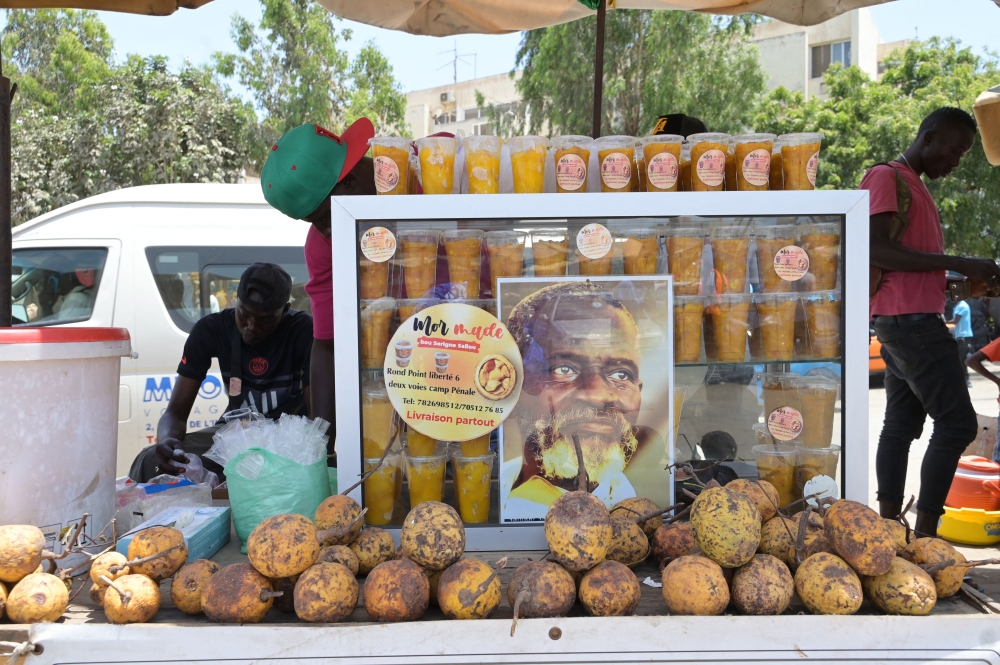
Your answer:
<point x="306" y="167"/>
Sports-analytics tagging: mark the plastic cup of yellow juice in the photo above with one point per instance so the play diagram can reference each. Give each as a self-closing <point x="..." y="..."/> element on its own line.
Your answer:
<point x="823" y="319"/>
<point x="474" y="447"/>
<point x="730" y="168"/>
<point x="688" y="313"/>
<point x="572" y="158"/>
<point x="380" y="489"/>
<point x="425" y="475"/>
<point x="730" y="313"/>
<point x="640" y="248"/>
<point x="777" y="180"/>
<point x="420" y="445"/>
<point x="437" y="163"/>
<point x="482" y="163"/>
<point x="800" y="160"/>
<point x="413" y="177"/>
<point x="761" y="436"/>
<point x="374" y="277"/>
<point x="391" y="161"/>
<point x="730" y="246"/>
<point x="662" y="155"/>
<point x="752" y="157"/>
<point x="708" y="161"/>
<point x="776" y="465"/>
<point x="527" y="163"/>
<point x="376" y="329"/>
<point x="684" y="250"/>
<point x="812" y="462"/>
<point x="407" y="307"/>
<point x="639" y="171"/>
<point x="817" y="404"/>
<point x="822" y="244"/>
<point x="777" y="324"/>
<point x="419" y="250"/>
<point x="463" y="248"/>
<point x="376" y="418"/>
<point x="685" y="183"/>
<point x="549" y="249"/>
<point x="769" y="241"/>
<point x="593" y="265"/>
<point x="615" y="159"/>
<point x="779" y="389"/>
<point x="472" y="486"/>
<point x="506" y="253"/>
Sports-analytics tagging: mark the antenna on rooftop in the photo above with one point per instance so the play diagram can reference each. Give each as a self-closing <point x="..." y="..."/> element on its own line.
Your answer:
<point x="456" y="58"/>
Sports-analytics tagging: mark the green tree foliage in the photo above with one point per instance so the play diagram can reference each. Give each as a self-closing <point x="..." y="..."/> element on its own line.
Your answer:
<point x="867" y="121"/>
<point x="655" y="62"/>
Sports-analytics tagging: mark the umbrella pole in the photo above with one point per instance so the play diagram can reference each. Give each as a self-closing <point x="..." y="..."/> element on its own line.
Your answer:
<point x="6" y="241"/>
<point x="602" y="10"/>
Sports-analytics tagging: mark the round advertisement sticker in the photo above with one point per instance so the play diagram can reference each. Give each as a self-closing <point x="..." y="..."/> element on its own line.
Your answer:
<point x="785" y="423"/>
<point x="757" y="167"/>
<point x="571" y="172"/>
<point x="791" y="263"/>
<point x="386" y="173"/>
<point x="594" y="241"/>
<point x="453" y="372"/>
<point x="812" y="166"/>
<point x="711" y="168"/>
<point x="616" y="170"/>
<point x="378" y="244"/>
<point x="662" y="170"/>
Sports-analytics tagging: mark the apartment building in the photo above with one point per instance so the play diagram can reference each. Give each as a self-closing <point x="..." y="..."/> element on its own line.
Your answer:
<point x="449" y="108"/>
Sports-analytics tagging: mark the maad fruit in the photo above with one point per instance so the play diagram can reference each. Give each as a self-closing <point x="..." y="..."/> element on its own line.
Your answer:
<point x="673" y="540"/>
<point x="339" y="554"/>
<point x="21" y="548"/>
<point x="860" y="537"/>
<point x="610" y="589"/>
<point x="237" y="594"/>
<point x="162" y="542"/>
<point x="541" y="589"/>
<point x="932" y="551"/>
<point x="433" y="535"/>
<point x="762" y="493"/>
<point x="638" y="506"/>
<point x="286" y="585"/>
<point x="763" y="586"/>
<point x="777" y="538"/>
<point x="339" y="513"/>
<point x="827" y="585"/>
<point x="578" y="530"/>
<point x="726" y="526"/>
<point x="469" y="589"/>
<point x="100" y="568"/>
<point x="189" y="583"/>
<point x="131" y="599"/>
<point x="326" y="593"/>
<point x="37" y="598"/>
<point x="283" y="545"/>
<point x="905" y="589"/>
<point x="396" y="590"/>
<point x="372" y="547"/>
<point x="628" y="542"/>
<point x="695" y="586"/>
<point x="898" y="532"/>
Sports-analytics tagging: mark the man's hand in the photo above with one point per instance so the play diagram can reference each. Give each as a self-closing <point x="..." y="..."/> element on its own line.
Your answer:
<point x="168" y="453"/>
<point x="981" y="270"/>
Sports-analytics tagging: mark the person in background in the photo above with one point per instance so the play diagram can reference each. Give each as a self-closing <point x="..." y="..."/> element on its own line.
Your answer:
<point x="980" y="331"/>
<point x="923" y="373"/>
<point x="989" y="352"/>
<point x="962" y="318"/>
<point x="305" y="168"/>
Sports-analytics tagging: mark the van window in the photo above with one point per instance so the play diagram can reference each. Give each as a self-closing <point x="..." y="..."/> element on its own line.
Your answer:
<point x="57" y="285"/>
<point x="196" y="281"/>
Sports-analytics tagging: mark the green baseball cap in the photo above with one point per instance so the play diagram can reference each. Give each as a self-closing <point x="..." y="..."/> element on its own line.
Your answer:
<point x="306" y="163"/>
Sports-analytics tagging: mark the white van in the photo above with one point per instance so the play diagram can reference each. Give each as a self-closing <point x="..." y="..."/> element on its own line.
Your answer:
<point x="153" y="260"/>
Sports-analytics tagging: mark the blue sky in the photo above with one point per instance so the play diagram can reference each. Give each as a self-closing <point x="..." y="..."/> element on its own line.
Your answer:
<point x="419" y="63"/>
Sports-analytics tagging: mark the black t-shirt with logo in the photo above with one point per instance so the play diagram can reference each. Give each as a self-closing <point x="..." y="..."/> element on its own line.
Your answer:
<point x="273" y="373"/>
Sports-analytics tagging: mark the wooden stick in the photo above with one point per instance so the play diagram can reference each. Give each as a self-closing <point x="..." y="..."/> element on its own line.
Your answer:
<point x="677" y="516"/>
<point x="394" y="434"/>
<point x="125" y="595"/>
<point x="581" y="477"/>
<point x="800" y="541"/>
<point x="521" y="597"/>
<point x="118" y="567"/>
<point x="805" y="498"/>
<point x="340" y="531"/>
<point x="266" y="595"/>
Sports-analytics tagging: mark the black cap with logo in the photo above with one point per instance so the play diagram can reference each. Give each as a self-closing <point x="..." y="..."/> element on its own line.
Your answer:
<point x="680" y="124"/>
<point x="272" y="285"/>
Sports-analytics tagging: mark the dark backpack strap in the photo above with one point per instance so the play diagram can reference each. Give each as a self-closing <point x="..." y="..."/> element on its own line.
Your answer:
<point x="897" y="225"/>
<point x="236" y="371"/>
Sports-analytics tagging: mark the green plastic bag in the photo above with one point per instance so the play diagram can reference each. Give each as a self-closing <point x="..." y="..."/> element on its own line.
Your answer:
<point x="283" y="486"/>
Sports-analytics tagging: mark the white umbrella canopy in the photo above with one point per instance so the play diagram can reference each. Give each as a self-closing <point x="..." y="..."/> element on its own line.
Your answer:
<point x="149" y="7"/>
<point x="441" y="18"/>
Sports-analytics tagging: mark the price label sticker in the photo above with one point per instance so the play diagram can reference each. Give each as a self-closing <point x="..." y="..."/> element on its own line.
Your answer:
<point x="662" y="170"/>
<point x="571" y="172"/>
<point x="616" y="170"/>
<point x="594" y="241"/>
<point x="812" y="166"/>
<point x="785" y="423"/>
<point x="711" y="168"/>
<point x="378" y="244"/>
<point x="791" y="263"/>
<point x="386" y="173"/>
<point x="757" y="167"/>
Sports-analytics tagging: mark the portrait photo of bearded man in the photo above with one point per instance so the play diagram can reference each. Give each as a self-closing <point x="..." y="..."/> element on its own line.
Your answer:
<point x="581" y="354"/>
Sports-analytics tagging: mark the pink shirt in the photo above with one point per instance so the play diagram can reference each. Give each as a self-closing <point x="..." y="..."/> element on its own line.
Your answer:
<point x="319" y="288"/>
<point x="904" y="292"/>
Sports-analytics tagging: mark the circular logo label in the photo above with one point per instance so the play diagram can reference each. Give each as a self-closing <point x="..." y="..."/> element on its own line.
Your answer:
<point x="594" y="241"/>
<point x="386" y="174"/>
<point x="616" y="170"/>
<point x="711" y="168"/>
<point x="453" y="372"/>
<point x="571" y="172"/>
<point x="791" y="263"/>
<point x="757" y="167"/>
<point x="378" y="244"/>
<point x="811" y="167"/>
<point x="258" y="366"/>
<point x="785" y="423"/>
<point x="662" y="170"/>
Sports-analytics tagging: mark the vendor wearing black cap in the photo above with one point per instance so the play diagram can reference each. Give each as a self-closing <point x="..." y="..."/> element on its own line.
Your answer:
<point x="263" y="349"/>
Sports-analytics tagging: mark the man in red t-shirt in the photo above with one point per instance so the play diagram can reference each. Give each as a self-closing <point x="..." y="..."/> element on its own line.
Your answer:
<point x="923" y="375"/>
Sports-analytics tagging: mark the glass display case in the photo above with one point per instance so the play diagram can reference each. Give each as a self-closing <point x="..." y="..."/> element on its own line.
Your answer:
<point x="481" y="341"/>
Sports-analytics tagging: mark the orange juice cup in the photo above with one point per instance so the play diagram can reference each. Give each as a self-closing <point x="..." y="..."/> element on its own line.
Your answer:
<point x="437" y="164"/>
<point x="420" y="445"/>
<point x="600" y="265"/>
<point x="380" y="489"/>
<point x="419" y="249"/>
<point x="572" y="158"/>
<point x="800" y="160"/>
<point x="391" y="160"/>
<point x="685" y="183"/>
<point x="730" y="314"/>
<point x="472" y="486"/>
<point x="688" y="313"/>
<point x="776" y="465"/>
<point x="730" y="168"/>
<point x="426" y="477"/>
<point x="730" y="246"/>
<point x="376" y="418"/>
<point x="639" y="171"/>
<point x="817" y="404"/>
<point x="684" y="250"/>
<point x="777" y="324"/>
<point x="407" y="307"/>
<point x="506" y="254"/>
<point x="549" y="249"/>
<point x="822" y="244"/>
<point x="662" y="155"/>
<point x="615" y="159"/>
<point x="464" y="248"/>
<point x="708" y="161"/>
<point x="761" y="436"/>
<point x="779" y="389"/>
<point x="376" y="319"/>
<point x="482" y="163"/>
<point x="413" y="174"/>
<point x="823" y="319"/>
<point x="812" y="462"/>
<point x="769" y="240"/>
<point x="752" y="157"/>
<point x="475" y="447"/>
<point x="640" y="248"/>
<point x="527" y="163"/>
<point x="374" y="279"/>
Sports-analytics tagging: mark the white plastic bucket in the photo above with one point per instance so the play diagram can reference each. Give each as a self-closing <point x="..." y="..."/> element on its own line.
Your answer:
<point x="59" y="427"/>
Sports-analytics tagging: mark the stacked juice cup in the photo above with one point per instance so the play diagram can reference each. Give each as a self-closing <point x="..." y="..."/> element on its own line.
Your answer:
<point x="752" y="157"/>
<point x="572" y="161"/>
<point x="376" y="320"/>
<point x="463" y="249"/>
<point x="684" y="254"/>
<point x="662" y="156"/>
<point x="779" y="390"/>
<point x="410" y="306"/>
<point x="391" y="162"/>
<point x="413" y="177"/>
<point x="777" y="324"/>
<point x="685" y="183"/>
<point x="688" y="313"/>
<point x="640" y="248"/>
<point x="817" y="396"/>
<point x="769" y="241"/>
<point x="730" y="248"/>
<point x="822" y="244"/>
<point x="800" y="160"/>
<point x="823" y="321"/>
<point x="639" y="170"/>
<point x="473" y="473"/>
<point x="730" y="167"/>
<point x="419" y="249"/>
<point x="527" y="163"/>
<point x="812" y="462"/>
<point x="549" y="249"/>
<point x="776" y="182"/>
<point x="615" y="159"/>
<point x="381" y="488"/>
<point x="437" y="164"/>
<point x="374" y="277"/>
<point x="377" y="415"/>
<point x="776" y="465"/>
<point x="506" y="254"/>
<point x="426" y="465"/>
<point x="594" y="250"/>
<point x="730" y="315"/>
<point x="708" y="161"/>
<point x="482" y="162"/>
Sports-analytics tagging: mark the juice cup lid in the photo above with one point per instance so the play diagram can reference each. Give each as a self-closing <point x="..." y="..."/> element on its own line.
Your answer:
<point x="752" y="138"/>
<point x="618" y="141"/>
<point x="711" y="137"/>
<point x="801" y="138"/>
<point x="661" y="138"/>
<point x="777" y="449"/>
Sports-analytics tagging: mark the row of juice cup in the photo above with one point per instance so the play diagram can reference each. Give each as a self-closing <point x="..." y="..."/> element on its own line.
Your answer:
<point x="640" y="247"/>
<point x="662" y="163"/>
<point x="789" y="468"/>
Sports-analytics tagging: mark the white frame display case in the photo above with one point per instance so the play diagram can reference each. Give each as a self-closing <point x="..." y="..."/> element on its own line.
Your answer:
<point x="349" y="212"/>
